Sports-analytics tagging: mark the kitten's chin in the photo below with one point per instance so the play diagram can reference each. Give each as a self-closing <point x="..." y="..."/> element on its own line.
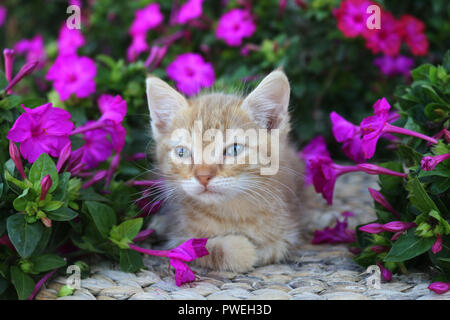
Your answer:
<point x="210" y="197"/>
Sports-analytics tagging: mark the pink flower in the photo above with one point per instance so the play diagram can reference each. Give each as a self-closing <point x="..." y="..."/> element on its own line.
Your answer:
<point x="378" y="197"/>
<point x="385" y="273"/>
<point x="33" y="49"/>
<point x="398" y="226"/>
<point x="138" y="45"/>
<point x="64" y="155"/>
<point x="429" y="163"/>
<point x="437" y="246"/>
<point x="155" y="57"/>
<point x="439" y="287"/>
<point x="98" y="176"/>
<point x="316" y="147"/>
<point x="186" y="252"/>
<point x="15" y="156"/>
<point x="379" y="249"/>
<point x="144" y="234"/>
<point x="348" y="134"/>
<point x="69" y="40"/>
<point x="352" y="17"/>
<point x="8" y="55"/>
<point x="112" y="107"/>
<point x="146" y="19"/>
<point x="3" y="12"/>
<point x="375" y="126"/>
<point x="387" y="39"/>
<point x="73" y="75"/>
<point x="235" y="25"/>
<point x="192" y="9"/>
<point x="372" y="228"/>
<point x="391" y="66"/>
<point x="338" y="234"/>
<point x="191" y="73"/>
<point x="413" y="30"/>
<point x="97" y="147"/>
<point x="43" y="129"/>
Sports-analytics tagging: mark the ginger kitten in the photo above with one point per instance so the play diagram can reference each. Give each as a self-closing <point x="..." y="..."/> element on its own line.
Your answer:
<point x="250" y="218"/>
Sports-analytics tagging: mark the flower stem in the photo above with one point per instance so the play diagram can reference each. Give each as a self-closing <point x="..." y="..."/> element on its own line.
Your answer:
<point x="393" y="129"/>
<point x="158" y="253"/>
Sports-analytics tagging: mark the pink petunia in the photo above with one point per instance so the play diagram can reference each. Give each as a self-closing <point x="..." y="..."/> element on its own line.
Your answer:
<point x="112" y="107"/>
<point x="413" y="31"/>
<point x="33" y="49"/>
<point x="235" y="25"/>
<point x="97" y="148"/>
<point x="191" y="73"/>
<point x="352" y="17"/>
<point x="394" y="65"/>
<point x="146" y="19"/>
<point x="44" y="129"/>
<point x="69" y="40"/>
<point x="316" y="147"/>
<point x="73" y="75"/>
<point x="349" y="135"/>
<point x="192" y="9"/>
<point x="387" y="39"/>
<point x="429" y="163"/>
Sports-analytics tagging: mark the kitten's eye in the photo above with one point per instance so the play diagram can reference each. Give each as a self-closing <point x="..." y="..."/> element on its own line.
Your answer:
<point x="182" y="152"/>
<point x="233" y="150"/>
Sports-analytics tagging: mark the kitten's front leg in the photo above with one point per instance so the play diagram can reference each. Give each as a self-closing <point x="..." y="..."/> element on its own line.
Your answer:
<point x="231" y="253"/>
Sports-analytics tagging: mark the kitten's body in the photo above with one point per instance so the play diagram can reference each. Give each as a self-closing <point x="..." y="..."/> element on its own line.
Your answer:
<point x="250" y="219"/>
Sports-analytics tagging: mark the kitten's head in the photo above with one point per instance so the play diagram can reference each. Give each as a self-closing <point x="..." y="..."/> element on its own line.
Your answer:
<point x="199" y="157"/>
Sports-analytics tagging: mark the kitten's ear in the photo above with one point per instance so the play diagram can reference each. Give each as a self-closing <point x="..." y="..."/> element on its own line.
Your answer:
<point x="163" y="103"/>
<point x="268" y="103"/>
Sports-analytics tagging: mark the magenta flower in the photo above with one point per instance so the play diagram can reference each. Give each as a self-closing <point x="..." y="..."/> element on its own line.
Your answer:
<point x="429" y="163"/>
<point x="413" y="31"/>
<point x="394" y="65"/>
<point x="316" y="147"/>
<point x="191" y="73"/>
<point x="235" y="25"/>
<point x="98" y="176"/>
<point x="3" y="12"/>
<point x="393" y="226"/>
<point x="439" y="287"/>
<point x="144" y="234"/>
<point x="43" y="129"/>
<point x="385" y="273"/>
<point x="379" y="249"/>
<point x="378" y="197"/>
<point x="387" y="39"/>
<point x="112" y="107"/>
<point x="349" y="135"/>
<point x="324" y="174"/>
<point x="192" y="9"/>
<point x="155" y="57"/>
<point x="40" y="283"/>
<point x="97" y="147"/>
<point x="186" y="252"/>
<point x="15" y="156"/>
<point x="64" y="155"/>
<point x="338" y="234"/>
<point x="352" y="17"/>
<point x="374" y="169"/>
<point x="26" y="70"/>
<point x="138" y="45"/>
<point x="33" y="49"/>
<point x="375" y="126"/>
<point x="146" y="19"/>
<point x="8" y="55"/>
<point x="69" y="40"/>
<point x="73" y="75"/>
<point x="437" y="246"/>
<point x="46" y="184"/>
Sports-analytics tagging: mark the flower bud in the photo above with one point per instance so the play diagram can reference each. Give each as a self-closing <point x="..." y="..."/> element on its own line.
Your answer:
<point x="8" y="54"/>
<point x="437" y="246"/>
<point x="46" y="184"/>
<point x="46" y="222"/>
<point x="385" y="273"/>
<point x="398" y="226"/>
<point x="372" y="228"/>
<point x="63" y="156"/>
<point x="15" y="156"/>
<point x="26" y="70"/>
<point x="439" y="287"/>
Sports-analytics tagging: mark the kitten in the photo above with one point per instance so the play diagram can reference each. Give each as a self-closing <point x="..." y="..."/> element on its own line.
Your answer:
<point x="249" y="218"/>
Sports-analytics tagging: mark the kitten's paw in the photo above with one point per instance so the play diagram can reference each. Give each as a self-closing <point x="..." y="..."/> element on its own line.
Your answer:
<point x="231" y="253"/>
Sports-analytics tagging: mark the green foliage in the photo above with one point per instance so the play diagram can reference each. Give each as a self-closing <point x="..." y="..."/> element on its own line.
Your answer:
<point x="423" y="198"/>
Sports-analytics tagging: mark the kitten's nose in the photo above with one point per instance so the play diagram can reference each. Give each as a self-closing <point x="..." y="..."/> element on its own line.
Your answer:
<point x="204" y="173"/>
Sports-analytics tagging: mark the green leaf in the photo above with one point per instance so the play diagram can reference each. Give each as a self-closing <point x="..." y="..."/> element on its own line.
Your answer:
<point x="24" y="236"/>
<point x="47" y="262"/>
<point x="23" y="283"/>
<point x="20" y="203"/>
<point x="130" y="261"/>
<point x="62" y="214"/>
<point x="52" y="205"/>
<point x="43" y="166"/>
<point x="103" y="216"/>
<point x="408" y="246"/>
<point x="128" y="229"/>
<point x="419" y="197"/>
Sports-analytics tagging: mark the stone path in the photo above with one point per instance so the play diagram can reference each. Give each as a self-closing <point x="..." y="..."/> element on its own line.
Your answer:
<point x="317" y="272"/>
